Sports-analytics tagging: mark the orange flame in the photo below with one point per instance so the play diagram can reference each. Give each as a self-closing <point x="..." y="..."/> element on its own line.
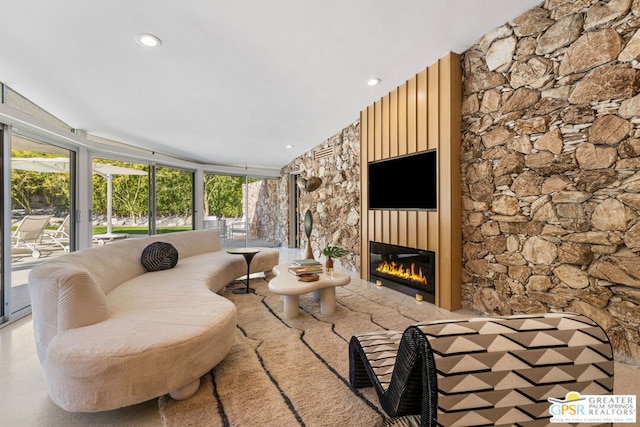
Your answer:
<point x="398" y="270"/>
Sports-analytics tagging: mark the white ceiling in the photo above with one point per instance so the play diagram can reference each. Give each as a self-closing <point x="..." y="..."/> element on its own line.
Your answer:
<point x="234" y="81"/>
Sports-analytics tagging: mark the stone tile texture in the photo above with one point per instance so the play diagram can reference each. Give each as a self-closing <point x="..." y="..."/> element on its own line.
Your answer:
<point x="551" y="166"/>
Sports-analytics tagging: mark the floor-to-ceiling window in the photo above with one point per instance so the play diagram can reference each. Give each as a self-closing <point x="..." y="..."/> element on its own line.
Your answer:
<point x="41" y="211"/>
<point x="131" y="199"/>
<point x="120" y="199"/>
<point x="3" y="297"/>
<point x="173" y="200"/>
<point x="77" y="189"/>
<point x="223" y="205"/>
<point x="242" y="208"/>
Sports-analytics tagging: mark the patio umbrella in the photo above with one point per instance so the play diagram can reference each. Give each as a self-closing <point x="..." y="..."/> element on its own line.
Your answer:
<point x="107" y="171"/>
<point x="41" y="164"/>
<point x="61" y="164"/>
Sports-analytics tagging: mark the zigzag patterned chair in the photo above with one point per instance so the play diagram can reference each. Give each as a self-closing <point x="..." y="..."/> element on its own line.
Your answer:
<point x="489" y="371"/>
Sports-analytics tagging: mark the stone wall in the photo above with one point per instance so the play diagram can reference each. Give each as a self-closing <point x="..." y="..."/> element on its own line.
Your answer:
<point x="551" y="166"/>
<point x="263" y="202"/>
<point x="336" y="204"/>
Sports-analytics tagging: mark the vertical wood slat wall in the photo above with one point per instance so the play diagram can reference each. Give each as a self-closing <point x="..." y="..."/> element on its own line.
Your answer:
<point x="422" y="114"/>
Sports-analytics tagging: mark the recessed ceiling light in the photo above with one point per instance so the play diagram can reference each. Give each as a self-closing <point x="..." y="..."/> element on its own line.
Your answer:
<point x="289" y="146"/>
<point x="374" y="81"/>
<point x="148" y="40"/>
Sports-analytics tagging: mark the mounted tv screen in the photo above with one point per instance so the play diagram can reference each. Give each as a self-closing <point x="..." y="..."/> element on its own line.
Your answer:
<point x="404" y="183"/>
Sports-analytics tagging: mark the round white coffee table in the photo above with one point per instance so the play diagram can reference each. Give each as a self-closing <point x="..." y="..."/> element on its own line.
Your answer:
<point x="288" y="285"/>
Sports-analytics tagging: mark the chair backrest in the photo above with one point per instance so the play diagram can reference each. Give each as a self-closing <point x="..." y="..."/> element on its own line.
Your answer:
<point x="63" y="228"/>
<point x="214" y="224"/>
<point x="240" y="224"/>
<point x="498" y="371"/>
<point x="502" y="370"/>
<point x="31" y="227"/>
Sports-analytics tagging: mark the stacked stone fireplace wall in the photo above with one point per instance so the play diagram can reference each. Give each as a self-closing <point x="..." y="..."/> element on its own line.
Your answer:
<point x="336" y="204"/>
<point x="551" y="166"/>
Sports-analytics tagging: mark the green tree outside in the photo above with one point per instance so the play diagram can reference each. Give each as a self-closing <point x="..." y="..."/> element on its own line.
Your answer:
<point x="174" y="190"/>
<point x="49" y="189"/>
<point x="130" y="193"/>
<point x="223" y="195"/>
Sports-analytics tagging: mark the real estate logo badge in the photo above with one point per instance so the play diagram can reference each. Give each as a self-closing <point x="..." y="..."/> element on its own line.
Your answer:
<point x="576" y="408"/>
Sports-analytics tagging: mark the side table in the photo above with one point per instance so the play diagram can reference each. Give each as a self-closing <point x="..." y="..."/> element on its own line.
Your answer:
<point x="248" y="254"/>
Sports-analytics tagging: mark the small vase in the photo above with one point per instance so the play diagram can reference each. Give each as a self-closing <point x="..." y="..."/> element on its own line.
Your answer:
<point x="328" y="266"/>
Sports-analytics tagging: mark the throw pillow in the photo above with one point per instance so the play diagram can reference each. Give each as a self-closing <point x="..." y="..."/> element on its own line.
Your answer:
<point x="159" y="256"/>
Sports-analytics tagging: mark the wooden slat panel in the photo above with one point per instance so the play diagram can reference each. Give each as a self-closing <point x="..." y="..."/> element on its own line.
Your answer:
<point x="371" y="121"/>
<point x="370" y="237"/>
<point x="423" y="229"/>
<point x="393" y="228"/>
<point x="372" y="226"/>
<point x="364" y="135"/>
<point x="377" y="130"/>
<point x="363" y="189"/>
<point x="421" y="111"/>
<point x="411" y="115"/>
<point x="402" y="119"/>
<point x="449" y="211"/>
<point x="402" y="228"/>
<point x="424" y="113"/>
<point x="433" y="100"/>
<point x="393" y="123"/>
<point x="443" y="265"/>
<point x="364" y="196"/>
<point x="412" y="229"/>
<point x="385" y="127"/>
<point x="432" y="231"/>
<point x="386" y="232"/>
<point x="453" y="107"/>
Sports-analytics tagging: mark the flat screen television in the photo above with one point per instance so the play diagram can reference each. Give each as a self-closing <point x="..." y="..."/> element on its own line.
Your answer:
<point x="404" y="183"/>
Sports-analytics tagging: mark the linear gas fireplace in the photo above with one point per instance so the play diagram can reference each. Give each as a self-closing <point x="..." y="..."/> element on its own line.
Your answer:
<point x="408" y="270"/>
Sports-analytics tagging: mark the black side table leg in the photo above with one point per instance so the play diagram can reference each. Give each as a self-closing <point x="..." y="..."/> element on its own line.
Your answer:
<point x="248" y="257"/>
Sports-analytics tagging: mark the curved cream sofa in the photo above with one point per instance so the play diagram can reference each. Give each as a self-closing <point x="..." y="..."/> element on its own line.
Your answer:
<point x="110" y="334"/>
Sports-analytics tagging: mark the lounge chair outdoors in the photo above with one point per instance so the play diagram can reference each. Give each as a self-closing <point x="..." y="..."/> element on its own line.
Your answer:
<point x="240" y="226"/>
<point x="29" y="233"/>
<point x="213" y="223"/>
<point x="61" y="235"/>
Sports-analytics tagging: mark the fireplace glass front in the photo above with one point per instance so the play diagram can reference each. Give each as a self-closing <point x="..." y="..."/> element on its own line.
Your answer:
<point x="408" y="270"/>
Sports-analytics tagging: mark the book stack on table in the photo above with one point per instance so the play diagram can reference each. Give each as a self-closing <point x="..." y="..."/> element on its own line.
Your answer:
<point x="305" y="266"/>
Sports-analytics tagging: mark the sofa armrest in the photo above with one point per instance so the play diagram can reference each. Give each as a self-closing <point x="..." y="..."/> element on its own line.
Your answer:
<point x="81" y="302"/>
<point x="66" y="299"/>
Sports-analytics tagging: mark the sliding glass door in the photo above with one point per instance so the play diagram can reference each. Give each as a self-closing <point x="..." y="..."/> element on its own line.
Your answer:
<point x="223" y="205"/>
<point x="4" y="293"/>
<point x="133" y="199"/>
<point x="242" y="208"/>
<point x="173" y="200"/>
<point x="41" y="212"/>
<point x="120" y="200"/>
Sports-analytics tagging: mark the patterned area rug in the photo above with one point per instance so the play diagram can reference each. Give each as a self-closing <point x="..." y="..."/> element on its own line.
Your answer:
<point x="295" y="372"/>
